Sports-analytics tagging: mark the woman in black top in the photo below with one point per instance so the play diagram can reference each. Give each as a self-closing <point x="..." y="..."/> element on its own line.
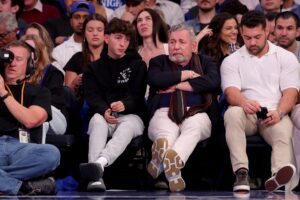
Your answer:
<point x="92" y="45"/>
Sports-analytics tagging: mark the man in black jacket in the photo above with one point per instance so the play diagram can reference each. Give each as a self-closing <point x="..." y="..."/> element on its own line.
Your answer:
<point x="114" y="87"/>
<point x="180" y="94"/>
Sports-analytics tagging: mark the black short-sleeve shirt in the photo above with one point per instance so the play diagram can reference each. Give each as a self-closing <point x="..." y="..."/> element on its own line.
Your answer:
<point x="33" y="95"/>
<point x="74" y="64"/>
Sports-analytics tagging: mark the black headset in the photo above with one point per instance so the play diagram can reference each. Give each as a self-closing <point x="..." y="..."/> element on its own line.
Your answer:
<point x="30" y="62"/>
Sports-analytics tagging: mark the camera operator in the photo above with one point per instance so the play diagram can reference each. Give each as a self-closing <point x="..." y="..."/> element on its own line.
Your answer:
<point x="24" y="108"/>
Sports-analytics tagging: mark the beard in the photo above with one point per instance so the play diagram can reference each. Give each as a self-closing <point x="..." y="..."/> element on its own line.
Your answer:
<point x="287" y="45"/>
<point x="255" y="49"/>
<point x="178" y="59"/>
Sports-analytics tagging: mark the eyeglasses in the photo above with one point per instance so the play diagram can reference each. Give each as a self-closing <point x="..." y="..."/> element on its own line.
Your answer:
<point x="3" y="35"/>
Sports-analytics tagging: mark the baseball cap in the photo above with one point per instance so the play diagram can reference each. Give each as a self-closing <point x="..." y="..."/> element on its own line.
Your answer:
<point x="83" y="6"/>
<point x="133" y="2"/>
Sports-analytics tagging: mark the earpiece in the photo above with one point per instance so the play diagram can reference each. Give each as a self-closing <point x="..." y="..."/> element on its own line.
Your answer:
<point x="30" y="62"/>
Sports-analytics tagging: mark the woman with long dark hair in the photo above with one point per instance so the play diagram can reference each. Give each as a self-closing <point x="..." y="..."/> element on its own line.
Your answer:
<point x="225" y="37"/>
<point x="152" y="36"/>
<point x="92" y="46"/>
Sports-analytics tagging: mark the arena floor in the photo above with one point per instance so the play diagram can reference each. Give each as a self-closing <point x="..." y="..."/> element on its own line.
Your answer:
<point x="161" y="195"/>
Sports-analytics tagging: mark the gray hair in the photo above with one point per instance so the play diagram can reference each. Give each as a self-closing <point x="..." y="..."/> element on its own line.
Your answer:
<point x="9" y="20"/>
<point x="183" y="26"/>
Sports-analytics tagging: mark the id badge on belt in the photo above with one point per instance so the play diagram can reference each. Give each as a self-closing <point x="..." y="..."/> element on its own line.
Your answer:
<point x="24" y="136"/>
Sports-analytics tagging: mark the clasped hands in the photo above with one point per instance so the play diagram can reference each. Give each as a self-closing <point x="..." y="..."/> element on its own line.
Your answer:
<point x="116" y="106"/>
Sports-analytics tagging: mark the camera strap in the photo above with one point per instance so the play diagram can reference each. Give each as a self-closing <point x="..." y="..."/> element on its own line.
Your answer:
<point x="22" y="92"/>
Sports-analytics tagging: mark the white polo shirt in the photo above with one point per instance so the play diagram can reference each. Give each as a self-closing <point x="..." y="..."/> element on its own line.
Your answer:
<point x="261" y="79"/>
<point x="63" y="52"/>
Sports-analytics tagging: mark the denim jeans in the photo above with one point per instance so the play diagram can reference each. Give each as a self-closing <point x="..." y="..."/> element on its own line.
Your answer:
<point x="21" y="162"/>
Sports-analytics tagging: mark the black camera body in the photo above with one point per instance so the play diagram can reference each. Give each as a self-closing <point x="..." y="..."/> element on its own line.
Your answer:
<point x="262" y="114"/>
<point x="6" y="56"/>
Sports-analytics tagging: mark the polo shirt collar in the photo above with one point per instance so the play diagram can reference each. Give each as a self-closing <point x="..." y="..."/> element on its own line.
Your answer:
<point x="244" y="51"/>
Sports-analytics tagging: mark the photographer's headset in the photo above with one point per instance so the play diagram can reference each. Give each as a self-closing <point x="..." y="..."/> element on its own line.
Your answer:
<point x="30" y="62"/>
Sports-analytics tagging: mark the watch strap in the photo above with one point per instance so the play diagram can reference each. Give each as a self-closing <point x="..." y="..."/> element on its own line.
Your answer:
<point x="5" y="96"/>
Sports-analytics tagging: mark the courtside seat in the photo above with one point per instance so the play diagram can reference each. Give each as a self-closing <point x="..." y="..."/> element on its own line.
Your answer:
<point x="61" y="141"/>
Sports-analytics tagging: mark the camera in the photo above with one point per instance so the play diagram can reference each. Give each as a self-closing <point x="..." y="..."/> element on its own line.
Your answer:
<point x="262" y="114"/>
<point x="6" y="56"/>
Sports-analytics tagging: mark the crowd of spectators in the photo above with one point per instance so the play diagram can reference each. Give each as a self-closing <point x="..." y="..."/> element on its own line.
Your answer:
<point x="170" y="69"/>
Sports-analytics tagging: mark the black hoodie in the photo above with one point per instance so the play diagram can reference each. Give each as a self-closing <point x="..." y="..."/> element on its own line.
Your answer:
<point x="108" y="80"/>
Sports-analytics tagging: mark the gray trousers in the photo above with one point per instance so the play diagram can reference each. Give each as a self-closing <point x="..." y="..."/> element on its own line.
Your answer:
<point x="128" y="127"/>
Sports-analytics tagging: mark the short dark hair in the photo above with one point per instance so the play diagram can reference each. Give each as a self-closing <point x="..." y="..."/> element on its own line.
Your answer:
<point x="252" y="19"/>
<point x="288" y="15"/>
<point x="234" y="7"/>
<point x="21" y="5"/>
<point x="119" y="26"/>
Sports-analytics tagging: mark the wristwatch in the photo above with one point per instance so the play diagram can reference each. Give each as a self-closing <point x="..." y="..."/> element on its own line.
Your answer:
<point x="281" y="114"/>
<point x="5" y="96"/>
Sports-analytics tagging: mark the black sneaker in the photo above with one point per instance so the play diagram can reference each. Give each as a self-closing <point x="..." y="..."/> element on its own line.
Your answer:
<point x="91" y="171"/>
<point x="241" y="181"/>
<point x="39" y="187"/>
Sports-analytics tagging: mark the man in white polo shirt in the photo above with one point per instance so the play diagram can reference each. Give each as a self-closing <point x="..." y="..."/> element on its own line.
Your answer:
<point x="259" y="75"/>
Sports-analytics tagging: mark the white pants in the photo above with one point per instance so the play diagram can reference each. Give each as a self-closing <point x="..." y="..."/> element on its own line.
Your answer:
<point x="182" y="138"/>
<point x="128" y="127"/>
<point x="57" y="126"/>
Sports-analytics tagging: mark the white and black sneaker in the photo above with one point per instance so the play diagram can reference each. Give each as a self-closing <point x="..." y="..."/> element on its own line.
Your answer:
<point x="241" y="183"/>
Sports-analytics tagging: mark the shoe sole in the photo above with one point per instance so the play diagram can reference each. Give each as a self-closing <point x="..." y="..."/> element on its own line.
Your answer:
<point x="282" y="177"/>
<point x="172" y="166"/>
<point x="96" y="188"/>
<point x="91" y="171"/>
<point x="158" y="149"/>
<point x="241" y="188"/>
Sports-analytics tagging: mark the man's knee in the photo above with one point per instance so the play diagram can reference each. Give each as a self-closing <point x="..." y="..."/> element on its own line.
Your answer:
<point x="134" y="123"/>
<point x="97" y="122"/>
<point x="233" y="114"/>
<point x="49" y="156"/>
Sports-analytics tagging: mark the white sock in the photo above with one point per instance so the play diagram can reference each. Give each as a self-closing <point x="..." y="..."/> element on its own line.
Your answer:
<point x="102" y="161"/>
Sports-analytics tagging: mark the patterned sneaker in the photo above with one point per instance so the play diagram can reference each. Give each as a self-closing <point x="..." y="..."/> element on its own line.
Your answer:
<point x="91" y="171"/>
<point x="241" y="181"/>
<point x="172" y="166"/>
<point x="96" y="186"/>
<point x="158" y="149"/>
<point x="39" y="187"/>
<point x="282" y="177"/>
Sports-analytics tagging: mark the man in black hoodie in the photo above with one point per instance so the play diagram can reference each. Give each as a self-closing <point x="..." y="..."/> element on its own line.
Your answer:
<point x="114" y="87"/>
